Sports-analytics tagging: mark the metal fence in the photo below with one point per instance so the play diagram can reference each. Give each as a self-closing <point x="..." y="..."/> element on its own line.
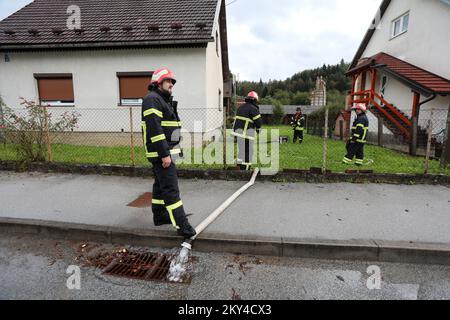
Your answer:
<point x="113" y="136"/>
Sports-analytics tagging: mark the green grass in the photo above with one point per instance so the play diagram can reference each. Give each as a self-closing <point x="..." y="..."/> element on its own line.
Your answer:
<point x="292" y="156"/>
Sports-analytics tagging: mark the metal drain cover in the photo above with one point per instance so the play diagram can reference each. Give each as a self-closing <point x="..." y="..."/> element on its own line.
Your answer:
<point x="143" y="266"/>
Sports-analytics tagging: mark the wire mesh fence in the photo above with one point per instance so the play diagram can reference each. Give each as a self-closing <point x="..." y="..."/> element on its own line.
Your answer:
<point x="113" y="136"/>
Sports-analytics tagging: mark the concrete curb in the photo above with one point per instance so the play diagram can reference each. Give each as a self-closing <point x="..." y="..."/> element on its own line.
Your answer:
<point x="363" y="250"/>
<point x="289" y="175"/>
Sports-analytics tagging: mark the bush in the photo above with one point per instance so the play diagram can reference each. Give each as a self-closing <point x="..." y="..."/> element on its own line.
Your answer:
<point x="29" y="132"/>
<point x="278" y="113"/>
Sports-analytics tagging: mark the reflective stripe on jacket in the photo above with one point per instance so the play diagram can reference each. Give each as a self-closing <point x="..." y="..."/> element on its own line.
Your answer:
<point x="161" y="126"/>
<point x="246" y="121"/>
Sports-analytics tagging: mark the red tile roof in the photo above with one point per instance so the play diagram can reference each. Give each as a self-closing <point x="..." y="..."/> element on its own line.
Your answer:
<point x="111" y="21"/>
<point x="427" y="81"/>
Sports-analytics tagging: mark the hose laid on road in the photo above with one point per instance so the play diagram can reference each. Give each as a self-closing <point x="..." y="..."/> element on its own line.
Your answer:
<point x="213" y="216"/>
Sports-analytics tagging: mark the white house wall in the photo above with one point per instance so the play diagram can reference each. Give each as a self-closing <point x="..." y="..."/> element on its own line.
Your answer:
<point x="427" y="41"/>
<point x="214" y="83"/>
<point x="96" y="86"/>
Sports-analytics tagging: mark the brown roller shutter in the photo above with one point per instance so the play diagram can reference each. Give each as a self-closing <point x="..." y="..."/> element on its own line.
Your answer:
<point x="133" y="87"/>
<point x="56" y="89"/>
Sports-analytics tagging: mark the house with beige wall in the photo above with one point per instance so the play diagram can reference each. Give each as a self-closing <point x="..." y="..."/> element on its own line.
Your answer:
<point x="102" y="67"/>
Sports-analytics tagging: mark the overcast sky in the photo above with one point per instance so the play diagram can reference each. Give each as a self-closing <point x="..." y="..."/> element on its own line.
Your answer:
<point x="271" y="39"/>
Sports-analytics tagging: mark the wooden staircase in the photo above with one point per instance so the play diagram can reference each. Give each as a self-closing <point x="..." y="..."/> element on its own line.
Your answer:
<point x="394" y="119"/>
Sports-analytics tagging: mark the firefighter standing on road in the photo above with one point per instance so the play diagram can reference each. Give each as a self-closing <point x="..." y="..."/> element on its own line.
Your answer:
<point x="298" y="124"/>
<point x="161" y="134"/>
<point x="247" y="120"/>
<point x="355" y="146"/>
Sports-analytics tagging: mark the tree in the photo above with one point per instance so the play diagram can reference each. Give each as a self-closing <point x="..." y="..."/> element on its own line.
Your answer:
<point x="301" y="98"/>
<point x="278" y="113"/>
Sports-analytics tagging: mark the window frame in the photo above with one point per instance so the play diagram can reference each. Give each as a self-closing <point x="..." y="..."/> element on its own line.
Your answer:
<point x="401" y="21"/>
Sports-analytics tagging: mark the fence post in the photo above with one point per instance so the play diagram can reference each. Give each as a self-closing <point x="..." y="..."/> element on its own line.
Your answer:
<point x="380" y="131"/>
<point x="224" y="133"/>
<point x="430" y="133"/>
<point x="47" y="136"/>
<point x="325" y="137"/>
<point x="133" y="161"/>
<point x="414" y="128"/>
<point x="445" y="157"/>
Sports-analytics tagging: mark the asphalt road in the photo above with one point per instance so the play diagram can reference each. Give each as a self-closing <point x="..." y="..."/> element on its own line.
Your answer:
<point x="34" y="268"/>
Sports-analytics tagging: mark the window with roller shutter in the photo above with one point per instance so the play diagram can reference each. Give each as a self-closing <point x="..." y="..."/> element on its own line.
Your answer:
<point x="133" y="87"/>
<point x="55" y="89"/>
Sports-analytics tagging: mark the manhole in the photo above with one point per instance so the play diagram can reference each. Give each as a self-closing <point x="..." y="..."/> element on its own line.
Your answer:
<point x="144" y="201"/>
<point x="143" y="266"/>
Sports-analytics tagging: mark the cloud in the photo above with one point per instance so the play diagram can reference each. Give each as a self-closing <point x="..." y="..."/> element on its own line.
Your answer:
<point x="274" y="40"/>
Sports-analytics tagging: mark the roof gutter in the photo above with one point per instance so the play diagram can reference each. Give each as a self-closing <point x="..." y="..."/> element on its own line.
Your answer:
<point x="104" y="45"/>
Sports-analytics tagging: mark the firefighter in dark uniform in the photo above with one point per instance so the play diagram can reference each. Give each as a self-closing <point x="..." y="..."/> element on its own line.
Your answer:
<point x="247" y="120"/>
<point x="298" y="124"/>
<point x="161" y="134"/>
<point x="355" y="145"/>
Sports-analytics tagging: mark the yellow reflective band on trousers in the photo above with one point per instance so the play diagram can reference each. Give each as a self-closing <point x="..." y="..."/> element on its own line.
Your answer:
<point x="300" y="129"/>
<point x="159" y="202"/>
<point x="170" y="209"/>
<point x="347" y="160"/>
<point x="153" y="111"/>
<point x="171" y="123"/>
<point x="158" y="138"/>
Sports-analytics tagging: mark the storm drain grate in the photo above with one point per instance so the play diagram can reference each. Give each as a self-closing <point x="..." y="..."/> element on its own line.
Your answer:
<point x="142" y="266"/>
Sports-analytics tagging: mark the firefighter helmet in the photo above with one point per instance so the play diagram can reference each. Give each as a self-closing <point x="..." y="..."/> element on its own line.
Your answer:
<point x="163" y="74"/>
<point x="360" y="106"/>
<point x="253" y="95"/>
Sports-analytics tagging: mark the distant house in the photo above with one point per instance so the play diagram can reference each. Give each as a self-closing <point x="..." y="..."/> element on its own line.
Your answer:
<point x="402" y="69"/>
<point x="105" y="66"/>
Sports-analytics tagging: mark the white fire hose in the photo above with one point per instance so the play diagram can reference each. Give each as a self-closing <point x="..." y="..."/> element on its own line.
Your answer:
<point x="213" y="216"/>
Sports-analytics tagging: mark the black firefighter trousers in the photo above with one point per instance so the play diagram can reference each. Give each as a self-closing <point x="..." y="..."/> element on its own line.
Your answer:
<point x="245" y="153"/>
<point x="355" y="149"/>
<point x="167" y="206"/>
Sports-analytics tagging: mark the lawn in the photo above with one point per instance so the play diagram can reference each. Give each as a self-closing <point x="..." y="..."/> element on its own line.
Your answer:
<point x="292" y="156"/>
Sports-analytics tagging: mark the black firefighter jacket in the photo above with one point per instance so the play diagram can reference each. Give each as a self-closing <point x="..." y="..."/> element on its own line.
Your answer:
<point x="360" y="128"/>
<point x="247" y="120"/>
<point x="161" y="126"/>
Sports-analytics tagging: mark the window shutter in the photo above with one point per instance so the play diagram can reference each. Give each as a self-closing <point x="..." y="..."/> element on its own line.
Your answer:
<point x="134" y="87"/>
<point x="56" y="89"/>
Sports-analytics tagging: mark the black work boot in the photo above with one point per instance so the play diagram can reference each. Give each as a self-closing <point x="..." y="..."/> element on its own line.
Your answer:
<point x="186" y="230"/>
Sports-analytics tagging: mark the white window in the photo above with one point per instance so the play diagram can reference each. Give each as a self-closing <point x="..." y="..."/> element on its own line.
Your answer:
<point x="400" y="25"/>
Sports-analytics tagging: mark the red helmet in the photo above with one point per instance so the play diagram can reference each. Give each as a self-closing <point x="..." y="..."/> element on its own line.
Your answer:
<point x="360" y="106"/>
<point x="163" y="74"/>
<point x="253" y="95"/>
